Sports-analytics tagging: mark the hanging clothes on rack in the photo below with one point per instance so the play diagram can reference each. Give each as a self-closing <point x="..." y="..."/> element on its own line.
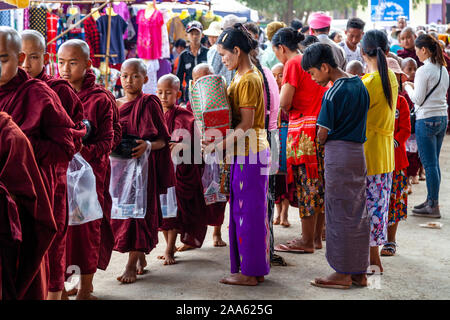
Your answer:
<point x="52" y="32"/>
<point x="18" y="20"/>
<point x="38" y="20"/>
<point x="152" y="74"/>
<point x="5" y="18"/>
<point x="122" y="10"/>
<point x="93" y="39"/>
<point x="26" y="18"/>
<point x="165" y="46"/>
<point x="176" y="29"/>
<point x="117" y="46"/>
<point x="149" y="42"/>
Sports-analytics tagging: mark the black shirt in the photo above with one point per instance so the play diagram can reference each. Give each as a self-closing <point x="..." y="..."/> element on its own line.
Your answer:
<point x="186" y="64"/>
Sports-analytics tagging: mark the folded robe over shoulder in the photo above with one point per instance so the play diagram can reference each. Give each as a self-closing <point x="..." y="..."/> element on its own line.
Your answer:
<point x="27" y="227"/>
<point x="38" y="112"/>
<point x="144" y="118"/>
<point x="83" y="241"/>
<point x="191" y="218"/>
<point x="57" y="252"/>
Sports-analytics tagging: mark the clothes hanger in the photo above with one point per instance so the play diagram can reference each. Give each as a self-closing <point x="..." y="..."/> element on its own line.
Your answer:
<point x="151" y="8"/>
<point x="73" y="10"/>
<point x="184" y="14"/>
<point x="96" y="14"/>
<point x="110" y="11"/>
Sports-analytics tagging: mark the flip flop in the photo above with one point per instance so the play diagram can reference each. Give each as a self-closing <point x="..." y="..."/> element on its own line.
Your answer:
<point x="330" y="285"/>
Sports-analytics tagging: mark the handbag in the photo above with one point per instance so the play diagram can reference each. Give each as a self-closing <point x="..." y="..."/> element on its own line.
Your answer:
<point x="413" y="113"/>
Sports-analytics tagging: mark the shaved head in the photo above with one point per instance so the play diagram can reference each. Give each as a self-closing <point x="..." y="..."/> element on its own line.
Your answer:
<point x="407" y="30"/>
<point x="36" y="37"/>
<point x="79" y="45"/>
<point x="407" y="61"/>
<point x="277" y="66"/>
<point x="355" y="67"/>
<point x="136" y="63"/>
<point x="173" y="81"/>
<point x="11" y="39"/>
<point x="201" y="70"/>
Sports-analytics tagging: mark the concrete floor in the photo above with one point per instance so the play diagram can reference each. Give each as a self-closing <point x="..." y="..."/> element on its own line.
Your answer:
<point x="420" y="270"/>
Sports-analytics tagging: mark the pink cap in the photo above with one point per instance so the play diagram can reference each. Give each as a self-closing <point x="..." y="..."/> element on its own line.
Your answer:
<point x="319" y="20"/>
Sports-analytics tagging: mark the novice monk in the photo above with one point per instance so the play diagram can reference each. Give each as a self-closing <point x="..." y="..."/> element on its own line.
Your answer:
<point x="33" y="44"/>
<point x="83" y="241"/>
<point x="27" y="226"/>
<point x="215" y="212"/>
<point x="355" y="68"/>
<point x="191" y="220"/>
<point x="342" y="128"/>
<point x="37" y="110"/>
<point x="142" y="115"/>
<point x="407" y="38"/>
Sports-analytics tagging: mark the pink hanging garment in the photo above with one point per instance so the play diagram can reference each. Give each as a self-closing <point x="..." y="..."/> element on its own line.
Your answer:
<point x="149" y="41"/>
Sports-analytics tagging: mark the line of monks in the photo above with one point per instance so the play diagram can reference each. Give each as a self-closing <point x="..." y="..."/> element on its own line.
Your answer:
<point x="42" y="126"/>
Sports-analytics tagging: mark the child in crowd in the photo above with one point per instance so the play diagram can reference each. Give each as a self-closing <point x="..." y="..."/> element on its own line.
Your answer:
<point x="190" y="220"/>
<point x="409" y="67"/>
<point x="342" y="128"/>
<point x="215" y="211"/>
<point x="283" y="190"/>
<point x="141" y="115"/>
<point x="355" y="68"/>
<point x="398" y="204"/>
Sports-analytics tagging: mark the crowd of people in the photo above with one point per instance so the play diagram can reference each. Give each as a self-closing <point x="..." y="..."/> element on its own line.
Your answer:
<point x="352" y="121"/>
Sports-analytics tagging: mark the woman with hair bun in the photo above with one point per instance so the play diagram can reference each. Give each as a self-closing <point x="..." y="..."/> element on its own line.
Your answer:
<point x="249" y="224"/>
<point x="429" y="96"/>
<point x="301" y="97"/>
<point x="381" y="83"/>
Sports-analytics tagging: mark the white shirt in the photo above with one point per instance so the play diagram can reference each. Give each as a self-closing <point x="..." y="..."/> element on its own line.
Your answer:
<point x="339" y="53"/>
<point x="427" y="76"/>
<point x="351" y="55"/>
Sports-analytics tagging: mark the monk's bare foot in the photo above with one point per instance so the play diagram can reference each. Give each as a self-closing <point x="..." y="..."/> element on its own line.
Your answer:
<point x="318" y="243"/>
<point x="359" y="280"/>
<point x="276" y="221"/>
<point x="169" y="259"/>
<point x="240" y="280"/>
<point x="285" y="224"/>
<point x="185" y="247"/>
<point x="218" y="242"/>
<point x="260" y="279"/>
<point x="72" y="292"/>
<point x="129" y="275"/>
<point x="64" y="295"/>
<point x="85" y="295"/>
<point x="141" y="264"/>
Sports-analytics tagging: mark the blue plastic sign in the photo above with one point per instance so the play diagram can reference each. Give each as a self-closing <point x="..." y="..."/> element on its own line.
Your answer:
<point x="389" y="10"/>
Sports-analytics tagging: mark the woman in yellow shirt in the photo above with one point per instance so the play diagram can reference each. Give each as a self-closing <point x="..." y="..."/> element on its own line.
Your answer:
<point x="382" y="86"/>
<point x="249" y="224"/>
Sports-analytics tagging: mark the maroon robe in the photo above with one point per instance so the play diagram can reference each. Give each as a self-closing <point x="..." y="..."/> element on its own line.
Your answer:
<point x="405" y="53"/>
<point x="57" y="251"/>
<point x="144" y="118"/>
<point x="191" y="220"/>
<point x="27" y="227"/>
<point x="107" y="235"/>
<point x="83" y="241"/>
<point x="215" y="213"/>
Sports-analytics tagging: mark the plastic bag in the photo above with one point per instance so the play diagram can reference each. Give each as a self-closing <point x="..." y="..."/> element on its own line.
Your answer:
<point x="168" y="201"/>
<point x="128" y="187"/>
<point x="211" y="181"/>
<point x="82" y="192"/>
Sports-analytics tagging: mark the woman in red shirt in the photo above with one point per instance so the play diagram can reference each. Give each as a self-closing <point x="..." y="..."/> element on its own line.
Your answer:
<point x="301" y="97"/>
<point x="398" y="204"/>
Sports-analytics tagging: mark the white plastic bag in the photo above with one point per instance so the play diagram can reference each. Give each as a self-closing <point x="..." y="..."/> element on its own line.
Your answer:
<point x="211" y="181"/>
<point x="128" y="187"/>
<point x="168" y="202"/>
<point x="82" y="192"/>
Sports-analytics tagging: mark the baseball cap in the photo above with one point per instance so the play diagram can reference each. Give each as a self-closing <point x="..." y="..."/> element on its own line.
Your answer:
<point x="230" y="20"/>
<point x="194" y="25"/>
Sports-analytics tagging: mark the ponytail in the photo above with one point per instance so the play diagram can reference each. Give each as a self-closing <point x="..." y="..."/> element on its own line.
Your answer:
<point x="374" y="44"/>
<point x="384" y="74"/>
<point x="255" y="61"/>
<point x="433" y="45"/>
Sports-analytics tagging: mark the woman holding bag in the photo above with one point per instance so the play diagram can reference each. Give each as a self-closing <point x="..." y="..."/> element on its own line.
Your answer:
<point x="429" y="96"/>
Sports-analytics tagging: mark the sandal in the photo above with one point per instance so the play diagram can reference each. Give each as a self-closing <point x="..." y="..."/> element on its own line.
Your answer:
<point x="278" y="261"/>
<point x="389" y="249"/>
<point x="329" y="284"/>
